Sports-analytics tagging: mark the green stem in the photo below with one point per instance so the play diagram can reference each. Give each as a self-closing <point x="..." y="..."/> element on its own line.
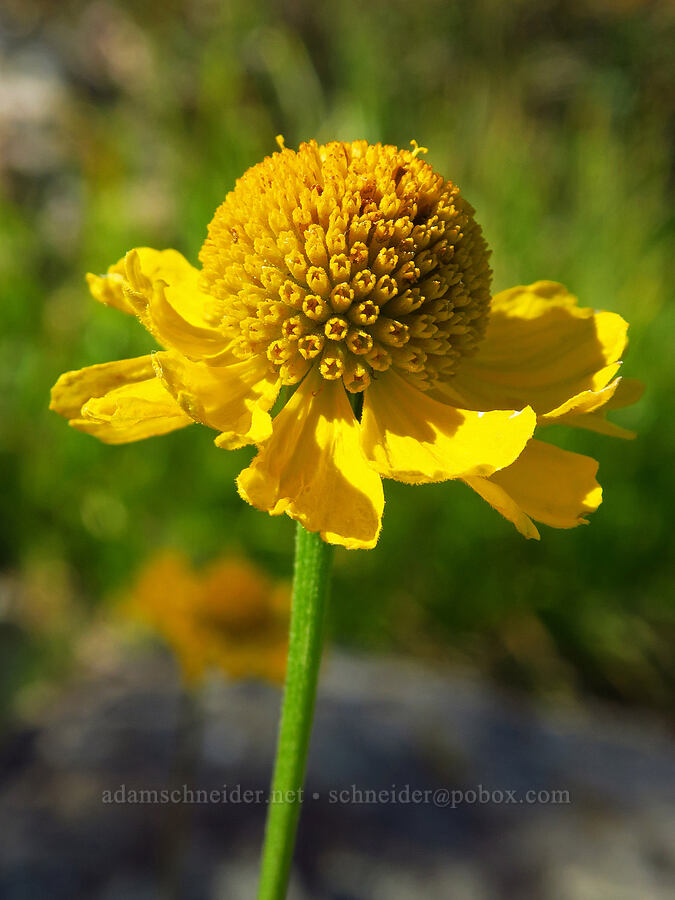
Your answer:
<point x="310" y="589"/>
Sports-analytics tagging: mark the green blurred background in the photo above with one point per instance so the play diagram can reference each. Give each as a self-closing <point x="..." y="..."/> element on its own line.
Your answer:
<point x="125" y="124"/>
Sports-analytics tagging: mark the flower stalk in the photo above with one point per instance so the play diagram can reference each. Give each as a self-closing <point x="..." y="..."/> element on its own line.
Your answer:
<point x="310" y="591"/>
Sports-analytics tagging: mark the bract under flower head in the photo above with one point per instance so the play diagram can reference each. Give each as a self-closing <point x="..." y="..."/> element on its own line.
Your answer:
<point x="355" y="258"/>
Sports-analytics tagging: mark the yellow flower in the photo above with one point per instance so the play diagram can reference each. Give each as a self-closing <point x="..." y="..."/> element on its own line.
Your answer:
<point x="357" y="276"/>
<point x="229" y="617"/>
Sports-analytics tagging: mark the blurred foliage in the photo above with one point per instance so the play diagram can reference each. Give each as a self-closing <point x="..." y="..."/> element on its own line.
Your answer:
<point x="125" y="124"/>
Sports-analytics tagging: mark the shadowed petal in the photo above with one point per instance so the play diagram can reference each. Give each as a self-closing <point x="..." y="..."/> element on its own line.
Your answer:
<point x="625" y="393"/>
<point x="131" y="413"/>
<point x="548" y="484"/>
<point x="233" y="399"/>
<point x="73" y="389"/>
<point x="313" y="468"/>
<point x="413" y="438"/>
<point x="540" y="349"/>
<point x="497" y="497"/>
<point x="164" y="290"/>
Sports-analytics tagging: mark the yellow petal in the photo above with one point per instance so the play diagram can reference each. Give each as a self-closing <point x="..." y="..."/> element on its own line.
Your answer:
<point x="597" y="422"/>
<point x="585" y="402"/>
<point x="313" y="468"/>
<point x="497" y="497"/>
<point x="628" y="392"/>
<point x="73" y="389"/>
<point x="109" y="289"/>
<point x="587" y="410"/>
<point x="164" y="290"/>
<point x="233" y="399"/>
<point x="131" y="413"/>
<point x="411" y="437"/>
<point x="548" y="484"/>
<point x="540" y="349"/>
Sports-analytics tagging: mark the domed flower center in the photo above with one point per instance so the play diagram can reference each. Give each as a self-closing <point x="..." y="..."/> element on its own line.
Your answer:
<point x="352" y="257"/>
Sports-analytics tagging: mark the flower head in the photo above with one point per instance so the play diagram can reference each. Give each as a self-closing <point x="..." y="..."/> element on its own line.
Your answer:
<point x="357" y="277"/>
<point x="229" y="617"/>
<point x="351" y="259"/>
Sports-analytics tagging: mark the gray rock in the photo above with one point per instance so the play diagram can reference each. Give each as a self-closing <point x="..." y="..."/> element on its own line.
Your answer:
<point x="407" y="792"/>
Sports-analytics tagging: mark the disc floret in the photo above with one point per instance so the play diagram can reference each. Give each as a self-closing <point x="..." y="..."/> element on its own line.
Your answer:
<point x="353" y="257"/>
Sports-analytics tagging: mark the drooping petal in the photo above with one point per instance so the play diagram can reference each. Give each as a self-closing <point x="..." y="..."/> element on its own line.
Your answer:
<point x="73" y="389"/>
<point x="540" y="349"/>
<point x="598" y="422"/>
<point x="411" y="437"/>
<point x="130" y="413"/>
<point x="233" y="399"/>
<point x="169" y="266"/>
<point x="164" y="290"/>
<point x="580" y="404"/>
<point x="313" y="468"/>
<point x="588" y="409"/>
<point x="497" y="497"/>
<point x="628" y="392"/>
<point x="548" y="484"/>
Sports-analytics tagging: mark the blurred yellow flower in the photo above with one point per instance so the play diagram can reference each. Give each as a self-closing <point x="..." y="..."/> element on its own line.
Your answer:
<point x="357" y="273"/>
<point x="229" y="616"/>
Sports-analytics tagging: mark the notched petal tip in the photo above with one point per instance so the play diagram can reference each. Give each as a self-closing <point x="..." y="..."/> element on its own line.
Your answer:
<point x="340" y="540"/>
